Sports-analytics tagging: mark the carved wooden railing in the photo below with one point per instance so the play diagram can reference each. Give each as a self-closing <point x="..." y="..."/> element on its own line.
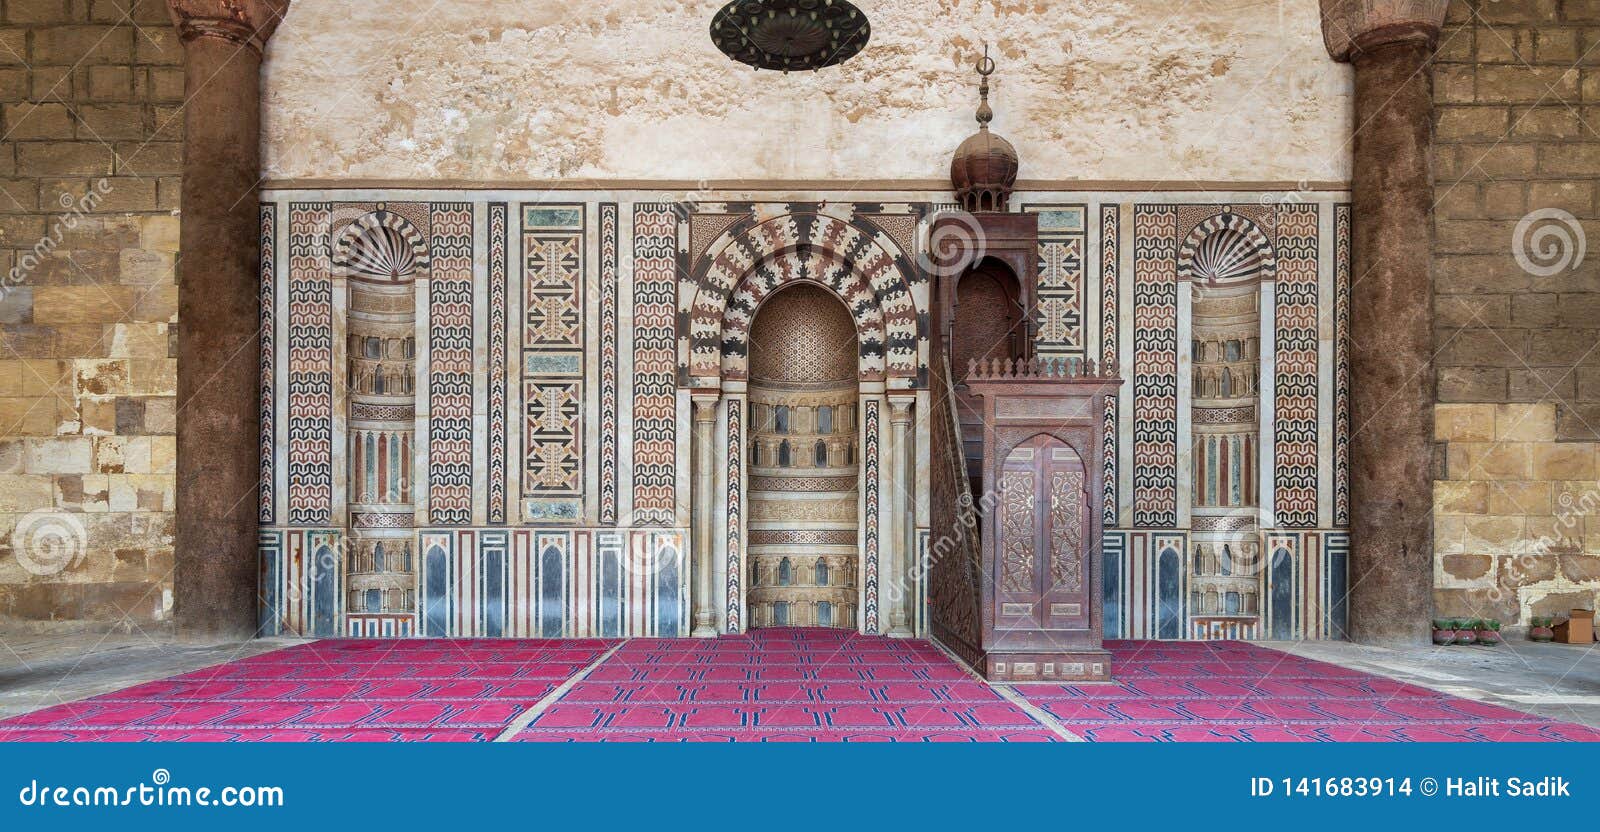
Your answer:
<point x="1038" y="369"/>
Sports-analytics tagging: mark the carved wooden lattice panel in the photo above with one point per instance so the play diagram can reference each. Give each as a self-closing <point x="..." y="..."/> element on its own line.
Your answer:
<point x="1044" y="523"/>
<point x="1066" y="530"/>
<point x="1016" y="528"/>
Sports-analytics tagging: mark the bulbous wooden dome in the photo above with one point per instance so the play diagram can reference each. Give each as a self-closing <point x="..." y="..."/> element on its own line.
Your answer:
<point x="984" y="170"/>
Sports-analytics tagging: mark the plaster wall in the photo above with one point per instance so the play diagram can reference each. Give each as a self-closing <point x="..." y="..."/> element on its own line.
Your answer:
<point x="496" y="90"/>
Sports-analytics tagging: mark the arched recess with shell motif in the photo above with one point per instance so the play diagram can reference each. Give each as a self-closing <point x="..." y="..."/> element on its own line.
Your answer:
<point x="381" y="255"/>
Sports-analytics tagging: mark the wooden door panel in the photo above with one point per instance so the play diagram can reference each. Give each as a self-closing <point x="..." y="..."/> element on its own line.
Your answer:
<point x="1044" y="528"/>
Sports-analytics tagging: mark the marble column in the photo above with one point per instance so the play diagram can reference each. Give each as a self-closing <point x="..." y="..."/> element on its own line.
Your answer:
<point x="901" y="509"/>
<point x="1390" y="44"/>
<point x="705" y="487"/>
<point x="219" y="384"/>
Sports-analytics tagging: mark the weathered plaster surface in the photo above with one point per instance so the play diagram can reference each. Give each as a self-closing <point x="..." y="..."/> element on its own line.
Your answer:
<point x="634" y="89"/>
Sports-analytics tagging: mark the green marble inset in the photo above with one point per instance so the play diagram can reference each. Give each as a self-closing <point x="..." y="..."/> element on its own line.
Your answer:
<point x="1064" y="219"/>
<point x="552" y="216"/>
<point x="552" y="364"/>
<point x="565" y="511"/>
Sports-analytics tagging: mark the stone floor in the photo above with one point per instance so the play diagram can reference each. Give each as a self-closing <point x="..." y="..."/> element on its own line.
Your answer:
<point x="1559" y="681"/>
<point x="38" y="671"/>
<point x="739" y="687"/>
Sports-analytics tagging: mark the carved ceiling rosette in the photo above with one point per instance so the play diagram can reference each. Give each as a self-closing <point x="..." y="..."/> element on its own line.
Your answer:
<point x="790" y="35"/>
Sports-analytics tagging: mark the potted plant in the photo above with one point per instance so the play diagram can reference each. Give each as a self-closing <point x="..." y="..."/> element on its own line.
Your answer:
<point x="1540" y="628"/>
<point x="1443" y="633"/>
<point x="1489" y="632"/>
<point x="1465" y="632"/>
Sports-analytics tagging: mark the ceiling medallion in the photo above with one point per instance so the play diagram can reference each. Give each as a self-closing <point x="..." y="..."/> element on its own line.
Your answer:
<point x="790" y="35"/>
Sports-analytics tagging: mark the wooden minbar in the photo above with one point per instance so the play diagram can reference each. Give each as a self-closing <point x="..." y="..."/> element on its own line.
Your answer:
<point x="1043" y="488"/>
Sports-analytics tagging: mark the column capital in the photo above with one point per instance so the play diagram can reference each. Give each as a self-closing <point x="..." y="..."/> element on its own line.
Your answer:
<point x="243" y="22"/>
<point x="1350" y="27"/>
<point x="705" y="408"/>
<point x="900" y="409"/>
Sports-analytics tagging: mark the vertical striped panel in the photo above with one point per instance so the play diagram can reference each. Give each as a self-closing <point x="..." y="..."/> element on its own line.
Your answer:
<point x="1337" y="584"/>
<point x="552" y="550"/>
<point x="613" y="560"/>
<point x="494" y="548"/>
<point x="667" y="576"/>
<point x="269" y="552"/>
<point x="1282" y="589"/>
<point x="1113" y="552"/>
<point x="436" y="550"/>
<point x="322" y="582"/>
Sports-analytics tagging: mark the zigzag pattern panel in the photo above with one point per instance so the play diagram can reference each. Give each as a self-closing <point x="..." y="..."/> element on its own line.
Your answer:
<point x="1341" y="366"/>
<point x="655" y="389"/>
<point x="1295" y="375"/>
<point x="450" y="365"/>
<point x="268" y="333"/>
<point x="1155" y="366"/>
<point x="499" y="288"/>
<point x="608" y="362"/>
<point x="310" y="372"/>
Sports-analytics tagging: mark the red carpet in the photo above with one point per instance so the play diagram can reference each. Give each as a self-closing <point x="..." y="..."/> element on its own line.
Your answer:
<point x="770" y="686"/>
<point x="786" y="685"/>
<point x="1237" y="692"/>
<point x="359" y="691"/>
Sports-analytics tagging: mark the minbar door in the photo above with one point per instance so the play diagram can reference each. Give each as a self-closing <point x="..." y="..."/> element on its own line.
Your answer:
<point x="1044" y="524"/>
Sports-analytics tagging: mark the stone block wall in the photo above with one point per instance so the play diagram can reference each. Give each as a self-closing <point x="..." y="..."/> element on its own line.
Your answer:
<point x="91" y="93"/>
<point x="1517" y="164"/>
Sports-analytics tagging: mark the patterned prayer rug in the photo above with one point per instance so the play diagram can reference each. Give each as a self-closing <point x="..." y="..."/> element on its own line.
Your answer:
<point x="1233" y="691"/>
<point x="780" y="685"/>
<point x="349" y="690"/>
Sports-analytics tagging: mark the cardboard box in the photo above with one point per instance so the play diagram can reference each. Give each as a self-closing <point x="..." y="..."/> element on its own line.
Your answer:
<point x="1578" y="629"/>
